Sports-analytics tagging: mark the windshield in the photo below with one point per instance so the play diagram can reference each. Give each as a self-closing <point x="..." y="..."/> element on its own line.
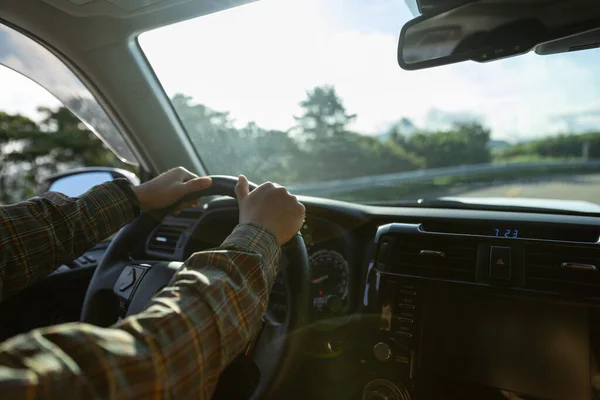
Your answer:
<point x="309" y="94"/>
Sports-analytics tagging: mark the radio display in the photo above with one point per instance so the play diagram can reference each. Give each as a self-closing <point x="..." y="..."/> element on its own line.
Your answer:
<point x="515" y="231"/>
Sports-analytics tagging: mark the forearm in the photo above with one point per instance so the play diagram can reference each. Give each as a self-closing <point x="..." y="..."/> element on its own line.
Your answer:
<point x="38" y="235"/>
<point x="176" y="348"/>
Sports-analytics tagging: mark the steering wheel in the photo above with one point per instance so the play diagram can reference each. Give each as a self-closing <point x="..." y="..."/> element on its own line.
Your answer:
<point x="122" y="287"/>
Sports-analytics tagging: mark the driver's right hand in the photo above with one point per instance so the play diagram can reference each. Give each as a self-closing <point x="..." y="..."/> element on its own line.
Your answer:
<point x="270" y="206"/>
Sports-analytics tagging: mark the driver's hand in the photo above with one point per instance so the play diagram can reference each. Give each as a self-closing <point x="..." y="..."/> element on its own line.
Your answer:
<point x="272" y="207"/>
<point x="169" y="187"/>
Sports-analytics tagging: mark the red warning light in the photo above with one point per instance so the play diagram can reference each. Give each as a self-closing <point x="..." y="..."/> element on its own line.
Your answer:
<point x="321" y="293"/>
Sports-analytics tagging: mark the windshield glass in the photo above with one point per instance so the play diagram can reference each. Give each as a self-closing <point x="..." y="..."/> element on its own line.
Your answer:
<point x="309" y="94"/>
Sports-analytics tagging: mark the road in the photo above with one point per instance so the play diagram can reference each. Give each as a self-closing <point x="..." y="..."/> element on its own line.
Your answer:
<point x="578" y="187"/>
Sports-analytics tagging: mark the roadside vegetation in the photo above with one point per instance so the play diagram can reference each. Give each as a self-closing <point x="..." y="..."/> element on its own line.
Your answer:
<point x="319" y="147"/>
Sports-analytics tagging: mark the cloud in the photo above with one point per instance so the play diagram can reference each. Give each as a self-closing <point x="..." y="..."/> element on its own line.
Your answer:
<point x="580" y="121"/>
<point x="20" y="95"/>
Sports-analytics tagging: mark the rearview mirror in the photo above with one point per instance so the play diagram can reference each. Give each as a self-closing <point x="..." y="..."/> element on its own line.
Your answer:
<point x="488" y="30"/>
<point x="76" y="182"/>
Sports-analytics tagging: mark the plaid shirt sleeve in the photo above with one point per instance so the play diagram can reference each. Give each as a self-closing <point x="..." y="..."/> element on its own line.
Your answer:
<point x="38" y="235"/>
<point x="176" y="348"/>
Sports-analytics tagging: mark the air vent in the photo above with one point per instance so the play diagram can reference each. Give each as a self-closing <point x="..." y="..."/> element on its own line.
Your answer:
<point x="165" y="237"/>
<point x="563" y="269"/>
<point x="431" y="256"/>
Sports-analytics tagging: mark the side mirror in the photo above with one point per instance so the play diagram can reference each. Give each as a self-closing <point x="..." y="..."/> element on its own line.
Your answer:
<point x="75" y="182"/>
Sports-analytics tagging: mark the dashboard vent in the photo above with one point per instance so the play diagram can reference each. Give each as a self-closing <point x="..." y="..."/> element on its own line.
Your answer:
<point x="432" y="256"/>
<point x="165" y="237"/>
<point x="563" y="269"/>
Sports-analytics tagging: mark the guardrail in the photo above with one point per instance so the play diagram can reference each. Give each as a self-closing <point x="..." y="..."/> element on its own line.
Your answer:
<point x="428" y="175"/>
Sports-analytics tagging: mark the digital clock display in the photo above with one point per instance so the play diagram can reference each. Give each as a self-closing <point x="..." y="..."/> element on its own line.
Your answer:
<point x="506" y="232"/>
<point x="513" y="230"/>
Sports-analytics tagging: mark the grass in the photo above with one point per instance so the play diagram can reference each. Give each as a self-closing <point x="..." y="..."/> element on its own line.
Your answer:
<point x="532" y="158"/>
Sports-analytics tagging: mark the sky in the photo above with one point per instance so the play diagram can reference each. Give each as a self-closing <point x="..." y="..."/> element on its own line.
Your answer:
<point x="257" y="61"/>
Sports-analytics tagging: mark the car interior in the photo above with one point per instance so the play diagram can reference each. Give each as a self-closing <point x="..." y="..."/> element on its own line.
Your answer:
<point x="435" y="299"/>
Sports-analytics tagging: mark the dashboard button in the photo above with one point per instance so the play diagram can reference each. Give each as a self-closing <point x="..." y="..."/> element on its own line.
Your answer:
<point x="382" y="351"/>
<point x="126" y="282"/>
<point x="383" y="252"/>
<point x="406" y="314"/>
<point x="404" y="327"/>
<point x="500" y="262"/>
<point x="409" y="300"/>
<point x="402" y="358"/>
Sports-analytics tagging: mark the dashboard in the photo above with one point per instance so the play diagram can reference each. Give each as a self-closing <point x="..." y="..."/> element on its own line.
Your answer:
<point x="432" y="303"/>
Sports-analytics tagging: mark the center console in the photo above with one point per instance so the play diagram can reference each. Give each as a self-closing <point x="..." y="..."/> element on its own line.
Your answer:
<point x="475" y="312"/>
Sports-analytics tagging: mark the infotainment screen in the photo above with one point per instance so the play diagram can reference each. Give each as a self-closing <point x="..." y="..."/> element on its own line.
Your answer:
<point x="523" y="346"/>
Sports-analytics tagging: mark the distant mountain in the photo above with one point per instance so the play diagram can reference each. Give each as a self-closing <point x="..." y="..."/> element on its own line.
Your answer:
<point x="498" y="144"/>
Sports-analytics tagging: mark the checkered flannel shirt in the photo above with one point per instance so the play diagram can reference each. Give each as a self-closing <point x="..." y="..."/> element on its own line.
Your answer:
<point x="176" y="348"/>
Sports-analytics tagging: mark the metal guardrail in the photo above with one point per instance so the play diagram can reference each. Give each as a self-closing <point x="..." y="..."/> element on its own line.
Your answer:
<point x="428" y="175"/>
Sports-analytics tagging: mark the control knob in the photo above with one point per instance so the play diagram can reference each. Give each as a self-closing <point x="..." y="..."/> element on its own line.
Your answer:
<point x="382" y="351"/>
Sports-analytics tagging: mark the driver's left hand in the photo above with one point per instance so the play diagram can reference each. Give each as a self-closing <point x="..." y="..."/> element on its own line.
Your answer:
<point x="169" y="187"/>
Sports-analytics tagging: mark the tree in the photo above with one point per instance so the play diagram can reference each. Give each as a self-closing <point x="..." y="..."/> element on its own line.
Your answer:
<point x="259" y="153"/>
<point x="324" y="114"/>
<point x="465" y="143"/>
<point x="330" y="151"/>
<point x="30" y="151"/>
<point x="351" y="155"/>
<point x="401" y="129"/>
<point x="561" y="146"/>
<point x="14" y="130"/>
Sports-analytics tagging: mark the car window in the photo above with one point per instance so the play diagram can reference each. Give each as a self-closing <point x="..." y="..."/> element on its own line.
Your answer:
<point x="40" y="137"/>
<point x="309" y="94"/>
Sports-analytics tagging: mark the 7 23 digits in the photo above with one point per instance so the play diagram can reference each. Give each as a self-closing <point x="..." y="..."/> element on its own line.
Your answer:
<point x="508" y="233"/>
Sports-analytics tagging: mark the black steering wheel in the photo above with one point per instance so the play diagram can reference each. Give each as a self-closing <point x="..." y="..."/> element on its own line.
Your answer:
<point x="122" y="287"/>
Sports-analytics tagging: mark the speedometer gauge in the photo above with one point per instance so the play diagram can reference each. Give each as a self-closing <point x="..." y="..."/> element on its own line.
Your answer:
<point x="329" y="274"/>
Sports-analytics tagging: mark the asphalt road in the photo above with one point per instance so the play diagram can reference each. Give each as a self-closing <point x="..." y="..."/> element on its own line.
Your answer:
<point x="578" y="187"/>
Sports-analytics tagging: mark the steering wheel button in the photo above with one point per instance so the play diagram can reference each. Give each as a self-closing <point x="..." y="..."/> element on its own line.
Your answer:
<point x="127" y="280"/>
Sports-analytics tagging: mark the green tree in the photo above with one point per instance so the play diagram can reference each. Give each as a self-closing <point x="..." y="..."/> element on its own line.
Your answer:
<point x="258" y="153"/>
<point x="560" y="146"/>
<point x="465" y="143"/>
<point x="30" y="151"/>
<point x="402" y="129"/>
<point x="330" y="151"/>
<point x="14" y="131"/>
<point x="351" y="155"/>
<point x="324" y="114"/>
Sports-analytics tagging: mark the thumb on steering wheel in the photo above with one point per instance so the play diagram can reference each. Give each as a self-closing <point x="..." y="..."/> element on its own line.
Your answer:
<point x="242" y="188"/>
